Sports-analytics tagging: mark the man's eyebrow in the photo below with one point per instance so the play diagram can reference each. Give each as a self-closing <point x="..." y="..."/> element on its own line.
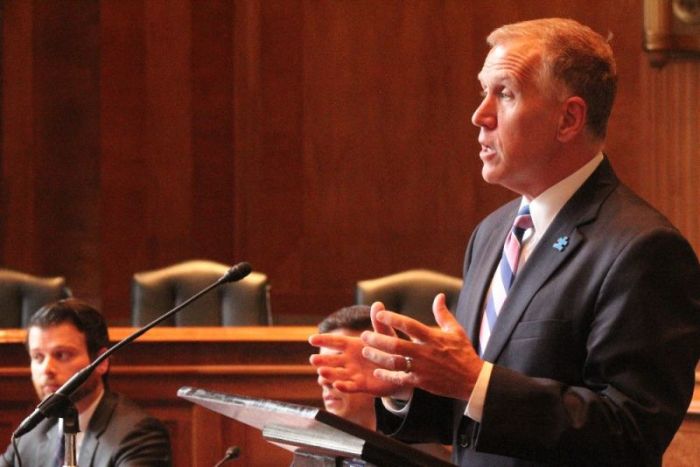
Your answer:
<point x="500" y="77"/>
<point x="58" y="348"/>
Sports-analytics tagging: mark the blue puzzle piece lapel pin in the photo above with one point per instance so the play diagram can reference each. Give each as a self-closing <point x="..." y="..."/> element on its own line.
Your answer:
<point x="561" y="243"/>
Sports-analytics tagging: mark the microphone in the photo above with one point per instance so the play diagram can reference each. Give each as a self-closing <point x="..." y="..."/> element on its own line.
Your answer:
<point x="231" y="453"/>
<point x="54" y="405"/>
<point x="236" y="273"/>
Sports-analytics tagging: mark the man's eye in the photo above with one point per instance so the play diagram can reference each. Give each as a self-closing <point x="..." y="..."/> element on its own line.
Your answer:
<point x="63" y="356"/>
<point x="505" y="95"/>
<point x="37" y="358"/>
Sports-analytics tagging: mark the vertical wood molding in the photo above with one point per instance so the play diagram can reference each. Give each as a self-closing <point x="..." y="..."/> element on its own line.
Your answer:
<point x="671" y="176"/>
<point x="213" y="154"/>
<point x="17" y="192"/>
<point x="66" y="45"/>
<point x="168" y="145"/>
<point x="124" y="240"/>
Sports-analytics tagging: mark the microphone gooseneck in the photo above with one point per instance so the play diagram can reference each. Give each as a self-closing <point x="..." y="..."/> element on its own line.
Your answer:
<point x="55" y="404"/>
<point x="231" y="453"/>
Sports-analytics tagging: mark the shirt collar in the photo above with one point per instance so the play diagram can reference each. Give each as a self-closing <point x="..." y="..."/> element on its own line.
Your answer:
<point x="85" y="416"/>
<point x="547" y="205"/>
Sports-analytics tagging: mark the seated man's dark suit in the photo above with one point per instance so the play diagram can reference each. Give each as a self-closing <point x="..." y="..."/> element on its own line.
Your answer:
<point x="119" y="434"/>
<point x="594" y="349"/>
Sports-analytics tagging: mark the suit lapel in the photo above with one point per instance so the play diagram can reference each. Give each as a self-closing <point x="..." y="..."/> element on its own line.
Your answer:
<point x="543" y="262"/>
<point x="546" y="259"/>
<point x="97" y="426"/>
<point x="49" y="440"/>
<point x="482" y="267"/>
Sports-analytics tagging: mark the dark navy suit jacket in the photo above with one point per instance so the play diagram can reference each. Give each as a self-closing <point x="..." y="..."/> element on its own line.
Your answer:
<point x="595" y="348"/>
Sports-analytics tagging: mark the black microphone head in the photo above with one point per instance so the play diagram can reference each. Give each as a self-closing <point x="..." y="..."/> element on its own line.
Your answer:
<point x="233" y="452"/>
<point x="236" y="273"/>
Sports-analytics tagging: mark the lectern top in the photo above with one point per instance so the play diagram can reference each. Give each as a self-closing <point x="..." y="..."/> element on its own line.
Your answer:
<point x="295" y="426"/>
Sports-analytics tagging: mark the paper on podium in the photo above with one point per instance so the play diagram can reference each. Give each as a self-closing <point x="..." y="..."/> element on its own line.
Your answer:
<point x="294" y="426"/>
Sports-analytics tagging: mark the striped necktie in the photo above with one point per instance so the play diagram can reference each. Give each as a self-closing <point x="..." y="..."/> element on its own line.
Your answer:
<point x="504" y="276"/>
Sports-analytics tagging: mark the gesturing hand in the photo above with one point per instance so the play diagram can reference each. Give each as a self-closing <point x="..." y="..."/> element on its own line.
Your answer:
<point x="443" y="361"/>
<point x="346" y="369"/>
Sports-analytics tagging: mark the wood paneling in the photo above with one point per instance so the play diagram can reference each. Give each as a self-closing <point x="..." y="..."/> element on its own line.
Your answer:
<point x="684" y="450"/>
<point x="50" y="152"/>
<point x="324" y="142"/>
<point x="671" y="168"/>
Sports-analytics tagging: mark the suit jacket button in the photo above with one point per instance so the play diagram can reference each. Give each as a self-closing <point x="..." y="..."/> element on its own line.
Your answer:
<point x="464" y="440"/>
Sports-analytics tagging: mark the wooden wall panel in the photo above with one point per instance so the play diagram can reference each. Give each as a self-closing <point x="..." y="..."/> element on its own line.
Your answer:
<point x="50" y="148"/>
<point x="213" y="156"/>
<point x="269" y="228"/>
<point x="19" y="237"/>
<point x="124" y="240"/>
<point x="324" y="142"/>
<point x="168" y="176"/>
<point x="66" y="138"/>
<point x="671" y="163"/>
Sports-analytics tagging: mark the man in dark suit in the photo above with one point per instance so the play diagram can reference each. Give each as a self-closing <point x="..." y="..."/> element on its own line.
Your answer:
<point x="62" y="338"/>
<point x="578" y="326"/>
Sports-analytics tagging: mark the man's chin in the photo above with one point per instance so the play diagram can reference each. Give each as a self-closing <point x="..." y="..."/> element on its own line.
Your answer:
<point x="487" y="173"/>
<point x="43" y="393"/>
<point x="336" y="411"/>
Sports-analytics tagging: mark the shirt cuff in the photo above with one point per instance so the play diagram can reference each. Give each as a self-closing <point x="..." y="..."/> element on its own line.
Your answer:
<point x="399" y="403"/>
<point x="475" y="405"/>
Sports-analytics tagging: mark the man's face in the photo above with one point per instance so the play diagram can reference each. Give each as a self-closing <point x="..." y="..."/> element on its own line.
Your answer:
<point x="518" y="119"/>
<point x="56" y="354"/>
<point x="356" y="407"/>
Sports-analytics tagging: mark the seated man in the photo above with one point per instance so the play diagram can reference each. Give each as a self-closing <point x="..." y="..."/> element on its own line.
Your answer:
<point x="357" y="407"/>
<point x="62" y="338"/>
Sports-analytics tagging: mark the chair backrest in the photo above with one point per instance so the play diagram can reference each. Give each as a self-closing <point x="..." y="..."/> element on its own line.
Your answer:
<point x="22" y="294"/>
<point x="242" y="303"/>
<point x="410" y="293"/>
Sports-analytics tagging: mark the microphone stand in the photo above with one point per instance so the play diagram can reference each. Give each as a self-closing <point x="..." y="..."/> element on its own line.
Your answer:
<point x="70" y="430"/>
<point x="57" y="403"/>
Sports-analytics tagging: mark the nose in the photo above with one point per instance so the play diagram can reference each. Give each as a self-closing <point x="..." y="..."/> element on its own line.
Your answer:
<point x="50" y="365"/>
<point x="485" y="116"/>
<point x="47" y="366"/>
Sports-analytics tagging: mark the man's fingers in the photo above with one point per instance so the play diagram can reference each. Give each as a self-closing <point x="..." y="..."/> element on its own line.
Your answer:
<point x="386" y="344"/>
<point x="398" y="378"/>
<point x="327" y="360"/>
<point x="443" y="317"/>
<point x="339" y="379"/>
<point x="330" y="373"/>
<point x="346" y="386"/>
<point x="383" y="359"/>
<point x="332" y="341"/>
<point x="380" y="327"/>
<point x="409" y="326"/>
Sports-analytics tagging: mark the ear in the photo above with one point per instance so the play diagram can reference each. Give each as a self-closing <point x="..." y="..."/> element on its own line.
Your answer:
<point x="572" y="120"/>
<point x="103" y="367"/>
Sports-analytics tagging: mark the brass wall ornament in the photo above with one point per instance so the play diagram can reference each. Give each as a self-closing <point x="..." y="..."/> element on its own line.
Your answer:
<point x="671" y="29"/>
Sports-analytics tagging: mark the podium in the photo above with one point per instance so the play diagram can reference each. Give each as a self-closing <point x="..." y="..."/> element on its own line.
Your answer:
<point x="316" y="437"/>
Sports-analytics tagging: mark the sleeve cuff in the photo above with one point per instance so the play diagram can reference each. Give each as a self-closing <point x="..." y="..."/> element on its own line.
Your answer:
<point x="475" y="405"/>
<point x="399" y="403"/>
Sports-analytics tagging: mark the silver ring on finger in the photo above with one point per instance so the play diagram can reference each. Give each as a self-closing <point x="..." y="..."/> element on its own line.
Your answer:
<point x="409" y="364"/>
